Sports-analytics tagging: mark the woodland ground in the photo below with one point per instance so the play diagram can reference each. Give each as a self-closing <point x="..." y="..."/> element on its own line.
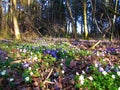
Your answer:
<point x="55" y="64"/>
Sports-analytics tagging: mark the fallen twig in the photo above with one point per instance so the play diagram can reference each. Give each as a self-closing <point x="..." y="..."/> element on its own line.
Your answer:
<point x="48" y="82"/>
<point x="19" y="61"/>
<point x="48" y="76"/>
<point x="95" y="44"/>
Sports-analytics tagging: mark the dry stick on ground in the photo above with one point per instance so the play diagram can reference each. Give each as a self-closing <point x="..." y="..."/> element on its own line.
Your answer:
<point x="20" y="60"/>
<point x="16" y="61"/>
<point x="107" y="59"/>
<point x="45" y="81"/>
<point x="95" y="44"/>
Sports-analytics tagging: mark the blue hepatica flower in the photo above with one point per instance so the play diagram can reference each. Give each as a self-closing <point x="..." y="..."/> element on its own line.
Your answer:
<point x="52" y="52"/>
<point x="111" y="50"/>
<point x="108" y="68"/>
<point x="47" y="51"/>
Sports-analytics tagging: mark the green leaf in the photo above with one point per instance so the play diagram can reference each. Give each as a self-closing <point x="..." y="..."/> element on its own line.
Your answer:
<point x="67" y="62"/>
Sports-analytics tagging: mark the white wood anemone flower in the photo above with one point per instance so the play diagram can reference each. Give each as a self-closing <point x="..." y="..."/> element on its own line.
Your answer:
<point x="29" y="68"/>
<point x="113" y="76"/>
<point x="90" y="78"/>
<point x="104" y="73"/>
<point x="3" y="72"/>
<point x="11" y="79"/>
<point x="31" y="73"/>
<point x="27" y="79"/>
<point x="81" y="78"/>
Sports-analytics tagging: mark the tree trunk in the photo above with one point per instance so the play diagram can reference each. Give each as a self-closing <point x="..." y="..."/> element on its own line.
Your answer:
<point x="113" y="27"/>
<point x="3" y="24"/>
<point x="29" y="3"/>
<point x="85" y="20"/>
<point x="72" y="19"/>
<point x="15" y="21"/>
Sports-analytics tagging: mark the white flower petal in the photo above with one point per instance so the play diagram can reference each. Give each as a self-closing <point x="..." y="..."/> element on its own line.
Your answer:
<point x="113" y="76"/>
<point x="77" y="73"/>
<point x="11" y="79"/>
<point x="27" y="79"/>
<point x="104" y="73"/>
<point x="20" y="50"/>
<point x="31" y="73"/>
<point x="82" y="82"/>
<point x="118" y="73"/>
<point x="90" y="77"/>
<point x="119" y="88"/>
<point x="6" y="57"/>
<point x="63" y="71"/>
<point x="29" y="68"/>
<point x="81" y="77"/>
<point x="96" y="65"/>
<point x="83" y="72"/>
<point x="119" y="67"/>
<point x="3" y="72"/>
<point x="61" y="64"/>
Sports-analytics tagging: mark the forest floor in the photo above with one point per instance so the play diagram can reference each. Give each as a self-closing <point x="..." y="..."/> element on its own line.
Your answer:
<point x="60" y="64"/>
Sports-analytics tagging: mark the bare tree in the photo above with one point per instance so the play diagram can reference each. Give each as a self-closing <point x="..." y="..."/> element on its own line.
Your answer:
<point x="15" y="20"/>
<point x="85" y="19"/>
<point x="72" y="18"/>
<point x="114" y="18"/>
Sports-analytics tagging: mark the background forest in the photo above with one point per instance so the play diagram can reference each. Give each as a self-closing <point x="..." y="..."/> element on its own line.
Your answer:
<point x="30" y="19"/>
